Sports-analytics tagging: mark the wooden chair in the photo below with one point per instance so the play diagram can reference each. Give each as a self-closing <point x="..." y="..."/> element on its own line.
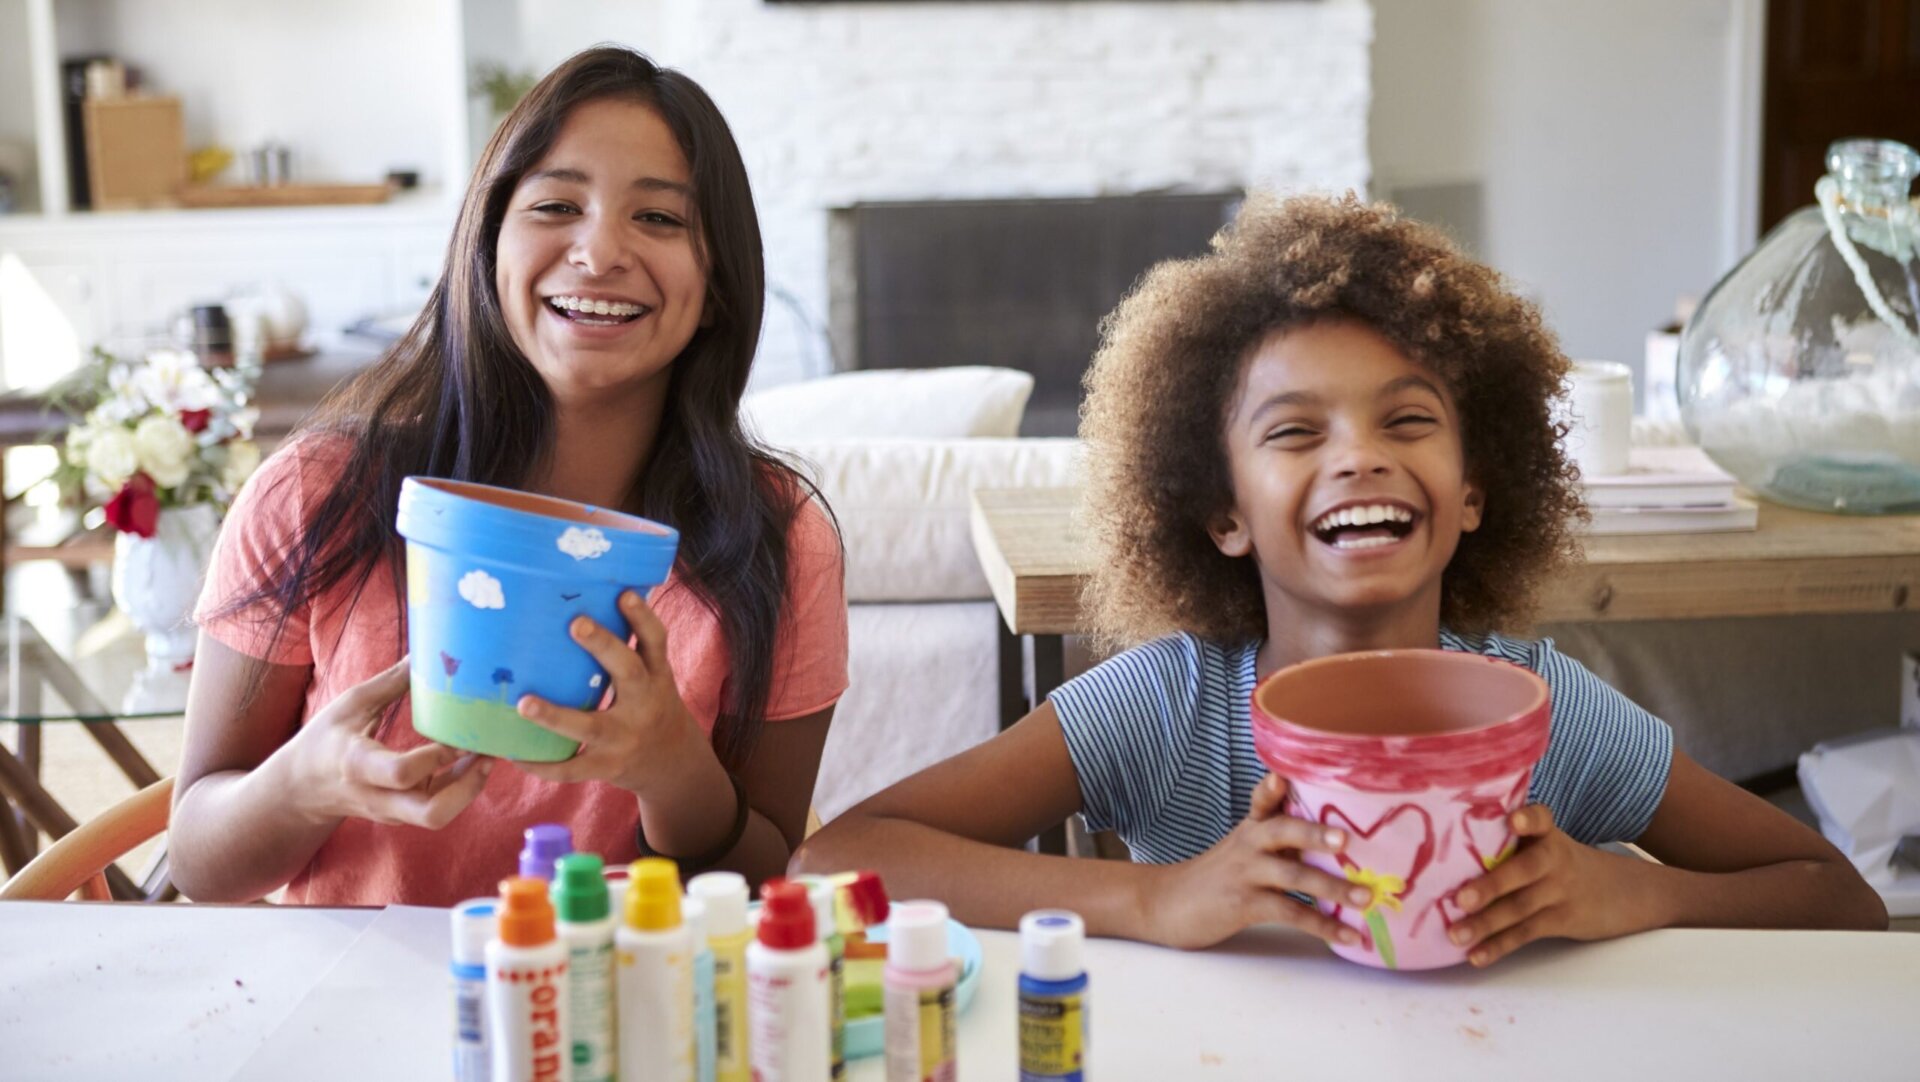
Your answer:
<point x="77" y="861"/>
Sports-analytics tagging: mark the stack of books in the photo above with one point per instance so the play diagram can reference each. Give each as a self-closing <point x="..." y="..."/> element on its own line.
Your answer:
<point x="1667" y="490"/>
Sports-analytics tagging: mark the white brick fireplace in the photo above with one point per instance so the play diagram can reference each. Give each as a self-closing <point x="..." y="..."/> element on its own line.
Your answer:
<point x="839" y="103"/>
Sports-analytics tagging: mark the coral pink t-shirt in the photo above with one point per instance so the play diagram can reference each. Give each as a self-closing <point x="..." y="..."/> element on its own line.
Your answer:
<point x="348" y="640"/>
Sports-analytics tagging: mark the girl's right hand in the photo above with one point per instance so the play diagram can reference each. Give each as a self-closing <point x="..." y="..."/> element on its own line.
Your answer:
<point x="1242" y="880"/>
<point x="342" y="771"/>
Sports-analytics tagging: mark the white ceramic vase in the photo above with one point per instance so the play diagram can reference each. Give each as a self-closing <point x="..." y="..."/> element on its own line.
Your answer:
<point x="157" y="579"/>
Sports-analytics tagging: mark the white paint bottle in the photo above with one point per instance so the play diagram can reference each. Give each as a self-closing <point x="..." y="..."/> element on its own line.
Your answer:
<point x="586" y="926"/>
<point x="725" y="896"/>
<point x="788" y="1017"/>
<point x="655" y="977"/>
<point x="527" y="1015"/>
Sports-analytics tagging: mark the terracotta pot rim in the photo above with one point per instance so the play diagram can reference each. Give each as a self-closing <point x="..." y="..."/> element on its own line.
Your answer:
<point x="1539" y="702"/>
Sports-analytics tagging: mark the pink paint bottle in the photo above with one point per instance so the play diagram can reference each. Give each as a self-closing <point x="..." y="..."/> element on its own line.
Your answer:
<point x="919" y="994"/>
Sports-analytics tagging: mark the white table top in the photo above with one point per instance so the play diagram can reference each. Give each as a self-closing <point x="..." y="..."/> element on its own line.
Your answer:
<point x="100" y="991"/>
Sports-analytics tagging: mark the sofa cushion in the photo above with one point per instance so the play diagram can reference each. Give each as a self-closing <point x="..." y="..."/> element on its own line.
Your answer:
<point x="904" y="506"/>
<point x="962" y="402"/>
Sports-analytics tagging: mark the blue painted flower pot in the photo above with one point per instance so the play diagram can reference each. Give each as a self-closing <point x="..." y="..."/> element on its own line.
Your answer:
<point x="494" y="578"/>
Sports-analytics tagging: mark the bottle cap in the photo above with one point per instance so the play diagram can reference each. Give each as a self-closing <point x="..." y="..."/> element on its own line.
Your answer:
<point x="693" y="913"/>
<point x="526" y="916"/>
<point x="580" y="888"/>
<point x="545" y="843"/>
<point x="917" y="937"/>
<point x="725" y="894"/>
<point x="1052" y="945"/>
<point x="866" y="899"/>
<point x="473" y="925"/>
<point x="653" y="894"/>
<point x="786" y="915"/>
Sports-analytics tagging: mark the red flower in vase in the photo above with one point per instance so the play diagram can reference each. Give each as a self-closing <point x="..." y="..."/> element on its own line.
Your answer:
<point x="135" y="509"/>
<point x="195" y="421"/>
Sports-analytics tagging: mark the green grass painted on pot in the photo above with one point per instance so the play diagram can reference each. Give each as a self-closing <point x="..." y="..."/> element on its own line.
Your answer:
<point x="488" y="726"/>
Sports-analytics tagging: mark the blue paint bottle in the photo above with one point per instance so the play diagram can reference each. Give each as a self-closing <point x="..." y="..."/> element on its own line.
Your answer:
<point x="473" y="925"/>
<point x="1053" y="997"/>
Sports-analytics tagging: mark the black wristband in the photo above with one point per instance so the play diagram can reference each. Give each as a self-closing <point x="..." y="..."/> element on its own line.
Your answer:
<point x="695" y="864"/>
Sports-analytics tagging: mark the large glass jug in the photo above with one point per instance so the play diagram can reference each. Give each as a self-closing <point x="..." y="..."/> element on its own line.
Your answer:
<point x="1800" y="371"/>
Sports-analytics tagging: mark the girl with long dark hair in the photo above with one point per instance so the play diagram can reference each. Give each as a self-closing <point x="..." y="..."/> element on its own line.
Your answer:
<point x="590" y="339"/>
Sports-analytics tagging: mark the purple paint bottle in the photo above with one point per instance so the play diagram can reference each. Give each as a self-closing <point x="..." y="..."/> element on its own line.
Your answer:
<point x="545" y="844"/>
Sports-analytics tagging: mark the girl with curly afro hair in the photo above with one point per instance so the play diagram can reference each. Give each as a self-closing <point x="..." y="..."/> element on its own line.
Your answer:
<point x="1329" y="434"/>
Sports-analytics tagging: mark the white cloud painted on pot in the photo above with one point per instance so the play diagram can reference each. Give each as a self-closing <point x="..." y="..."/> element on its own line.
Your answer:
<point x="584" y="544"/>
<point x="482" y="590"/>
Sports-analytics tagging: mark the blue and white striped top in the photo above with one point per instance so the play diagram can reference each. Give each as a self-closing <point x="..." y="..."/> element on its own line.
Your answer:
<point x="1161" y="739"/>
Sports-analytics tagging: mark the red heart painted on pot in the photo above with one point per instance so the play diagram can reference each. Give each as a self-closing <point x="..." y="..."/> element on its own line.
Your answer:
<point x="1484" y="824"/>
<point x="1398" y="844"/>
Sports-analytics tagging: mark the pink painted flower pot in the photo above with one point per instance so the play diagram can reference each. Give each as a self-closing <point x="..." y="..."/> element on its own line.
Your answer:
<point x="1419" y="755"/>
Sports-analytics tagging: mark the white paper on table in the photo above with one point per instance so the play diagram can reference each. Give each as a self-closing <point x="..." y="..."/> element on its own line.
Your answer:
<point x="396" y="970"/>
<point x="77" y="984"/>
<point x="1866" y="791"/>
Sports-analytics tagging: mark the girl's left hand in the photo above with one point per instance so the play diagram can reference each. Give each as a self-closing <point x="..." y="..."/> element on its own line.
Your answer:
<point x="642" y="731"/>
<point x="1552" y="886"/>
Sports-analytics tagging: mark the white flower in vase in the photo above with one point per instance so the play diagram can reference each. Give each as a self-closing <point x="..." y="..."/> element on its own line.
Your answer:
<point x="166" y="450"/>
<point x="243" y="457"/>
<point x="112" y="456"/>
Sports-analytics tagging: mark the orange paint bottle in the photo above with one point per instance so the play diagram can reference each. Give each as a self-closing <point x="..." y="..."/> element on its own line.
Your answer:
<point x="527" y="1003"/>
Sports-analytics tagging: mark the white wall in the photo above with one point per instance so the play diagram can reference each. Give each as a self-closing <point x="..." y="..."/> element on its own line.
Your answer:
<point x="354" y="87"/>
<point x="836" y="104"/>
<point x="16" y="104"/>
<point x="1604" y="137"/>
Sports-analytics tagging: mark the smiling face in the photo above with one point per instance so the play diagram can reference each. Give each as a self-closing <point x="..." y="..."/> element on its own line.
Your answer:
<point x="598" y="265"/>
<point x="1349" y="477"/>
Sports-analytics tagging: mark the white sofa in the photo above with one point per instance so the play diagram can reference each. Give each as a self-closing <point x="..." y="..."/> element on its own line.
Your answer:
<point x="898" y="455"/>
<point x="922" y="626"/>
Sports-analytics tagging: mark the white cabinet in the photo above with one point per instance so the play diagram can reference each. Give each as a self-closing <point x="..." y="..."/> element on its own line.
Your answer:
<point x="120" y="279"/>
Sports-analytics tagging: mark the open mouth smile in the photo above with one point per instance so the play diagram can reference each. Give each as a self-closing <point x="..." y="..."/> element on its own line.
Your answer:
<point x="591" y="312"/>
<point x="1361" y="525"/>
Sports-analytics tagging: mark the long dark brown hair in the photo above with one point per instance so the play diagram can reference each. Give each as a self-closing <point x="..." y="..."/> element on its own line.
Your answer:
<point x="456" y="398"/>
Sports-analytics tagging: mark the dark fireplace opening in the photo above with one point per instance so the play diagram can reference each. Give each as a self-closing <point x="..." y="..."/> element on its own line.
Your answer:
<point x="1018" y="283"/>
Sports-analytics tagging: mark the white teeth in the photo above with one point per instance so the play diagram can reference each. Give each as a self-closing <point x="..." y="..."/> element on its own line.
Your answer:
<point x="1363" y="542"/>
<point x="596" y="307"/>
<point x="1367" y="515"/>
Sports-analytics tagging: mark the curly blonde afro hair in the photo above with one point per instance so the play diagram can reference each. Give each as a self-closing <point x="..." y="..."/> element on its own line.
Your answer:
<point x="1164" y="381"/>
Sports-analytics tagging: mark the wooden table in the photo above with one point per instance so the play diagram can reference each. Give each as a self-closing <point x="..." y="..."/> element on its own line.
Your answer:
<point x="1796" y="562"/>
<point x="283" y="994"/>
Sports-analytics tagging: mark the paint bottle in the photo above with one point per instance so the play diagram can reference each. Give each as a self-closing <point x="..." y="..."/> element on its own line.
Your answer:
<point x="527" y="1011"/>
<point x="725" y="896"/>
<point x="1053" y="997"/>
<point x="694" y="912"/>
<point x="788" y="1018"/>
<point x="826" y="924"/>
<point x="473" y="926"/>
<point x="919" y="981"/>
<point x="586" y="923"/>
<point x="655" y="977"/>
<point x="543" y="845"/>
